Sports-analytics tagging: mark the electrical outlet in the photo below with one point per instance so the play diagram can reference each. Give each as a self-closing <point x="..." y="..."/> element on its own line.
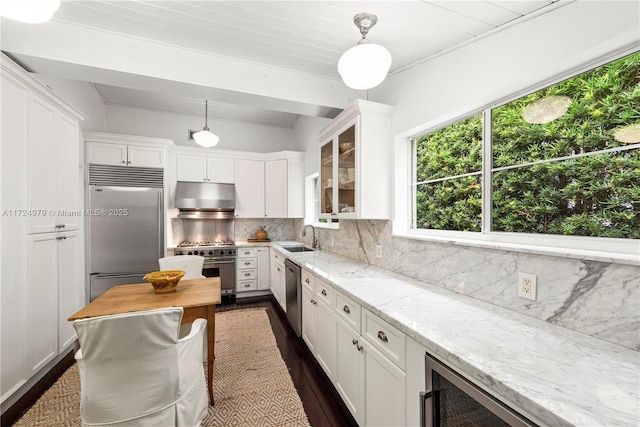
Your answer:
<point x="378" y="251"/>
<point x="279" y="233"/>
<point x="527" y="286"/>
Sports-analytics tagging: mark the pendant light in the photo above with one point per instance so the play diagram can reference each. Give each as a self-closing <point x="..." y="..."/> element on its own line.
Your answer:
<point x="29" y="11"/>
<point x="205" y="137"/>
<point x="366" y="64"/>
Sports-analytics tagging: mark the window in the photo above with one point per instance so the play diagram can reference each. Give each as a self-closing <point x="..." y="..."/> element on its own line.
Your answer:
<point x="564" y="160"/>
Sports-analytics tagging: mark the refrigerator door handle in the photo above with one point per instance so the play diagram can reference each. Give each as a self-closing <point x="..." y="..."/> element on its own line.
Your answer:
<point x="160" y="225"/>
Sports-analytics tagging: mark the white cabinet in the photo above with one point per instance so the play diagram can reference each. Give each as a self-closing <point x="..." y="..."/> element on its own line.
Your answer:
<point x="250" y="188"/>
<point x="247" y="270"/>
<point x="56" y="279"/>
<point x="54" y="168"/>
<point x="205" y="169"/>
<point x="355" y="163"/>
<point x="125" y="155"/>
<point x="263" y="269"/>
<point x="271" y="188"/>
<point x="278" y="285"/>
<point x="415" y="380"/>
<point x="372" y="386"/>
<point x="284" y="188"/>
<point x="41" y="265"/>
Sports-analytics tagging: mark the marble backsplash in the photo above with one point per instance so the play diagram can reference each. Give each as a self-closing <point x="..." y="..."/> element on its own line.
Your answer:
<point x="277" y="228"/>
<point x="232" y="229"/>
<point x="595" y="298"/>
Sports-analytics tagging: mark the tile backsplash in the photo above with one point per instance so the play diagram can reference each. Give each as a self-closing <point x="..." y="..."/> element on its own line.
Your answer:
<point x="595" y="298"/>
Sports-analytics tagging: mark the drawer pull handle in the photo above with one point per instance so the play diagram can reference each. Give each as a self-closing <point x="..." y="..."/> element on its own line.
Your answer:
<point x="382" y="336"/>
<point x="346" y="309"/>
<point x="247" y="285"/>
<point x="307" y="280"/>
<point x="324" y="292"/>
<point x="354" y="341"/>
<point x="247" y="274"/>
<point x="358" y="346"/>
<point x="247" y="263"/>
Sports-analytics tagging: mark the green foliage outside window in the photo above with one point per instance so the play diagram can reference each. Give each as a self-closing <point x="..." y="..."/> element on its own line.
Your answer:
<point x="595" y="195"/>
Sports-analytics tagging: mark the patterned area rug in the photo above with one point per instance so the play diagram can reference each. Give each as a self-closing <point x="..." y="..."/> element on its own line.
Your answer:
<point x="252" y="386"/>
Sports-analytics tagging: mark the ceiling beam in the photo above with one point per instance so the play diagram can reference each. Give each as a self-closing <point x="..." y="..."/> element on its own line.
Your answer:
<point x="79" y="53"/>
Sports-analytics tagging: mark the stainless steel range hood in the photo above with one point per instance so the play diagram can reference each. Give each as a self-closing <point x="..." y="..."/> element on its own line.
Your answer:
<point x="205" y="200"/>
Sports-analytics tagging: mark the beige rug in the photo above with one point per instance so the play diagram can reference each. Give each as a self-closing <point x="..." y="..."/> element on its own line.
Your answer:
<point x="251" y="383"/>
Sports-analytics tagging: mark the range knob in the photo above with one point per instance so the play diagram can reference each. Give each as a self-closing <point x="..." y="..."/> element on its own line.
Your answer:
<point x="210" y="252"/>
<point x="180" y="253"/>
<point x="190" y="253"/>
<point x="202" y="253"/>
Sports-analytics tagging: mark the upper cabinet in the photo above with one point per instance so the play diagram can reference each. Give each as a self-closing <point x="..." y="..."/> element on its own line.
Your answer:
<point x="355" y="163"/>
<point x="205" y="169"/>
<point x="271" y="188"/>
<point x="124" y="150"/>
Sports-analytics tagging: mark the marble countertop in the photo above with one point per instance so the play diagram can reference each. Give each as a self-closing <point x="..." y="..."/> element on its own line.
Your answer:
<point x="554" y="375"/>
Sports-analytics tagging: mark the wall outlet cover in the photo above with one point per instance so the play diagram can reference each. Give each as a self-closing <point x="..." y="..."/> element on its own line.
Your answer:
<point x="527" y="286"/>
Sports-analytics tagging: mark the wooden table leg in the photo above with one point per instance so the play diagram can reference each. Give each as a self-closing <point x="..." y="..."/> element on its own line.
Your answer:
<point x="211" y="337"/>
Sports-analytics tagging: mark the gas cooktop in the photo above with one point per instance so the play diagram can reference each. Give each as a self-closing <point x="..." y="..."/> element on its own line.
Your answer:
<point x="206" y="244"/>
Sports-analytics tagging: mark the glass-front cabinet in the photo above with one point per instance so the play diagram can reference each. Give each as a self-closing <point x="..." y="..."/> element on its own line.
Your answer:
<point x="339" y="173"/>
<point x="355" y="163"/>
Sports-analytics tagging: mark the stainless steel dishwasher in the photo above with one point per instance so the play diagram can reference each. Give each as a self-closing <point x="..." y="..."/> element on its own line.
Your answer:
<point x="293" y="295"/>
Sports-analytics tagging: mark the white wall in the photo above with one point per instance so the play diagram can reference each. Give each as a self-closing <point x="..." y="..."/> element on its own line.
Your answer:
<point x="233" y="135"/>
<point x="82" y="96"/>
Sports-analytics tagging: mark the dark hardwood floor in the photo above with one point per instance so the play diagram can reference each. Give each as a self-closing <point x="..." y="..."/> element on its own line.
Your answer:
<point x="323" y="405"/>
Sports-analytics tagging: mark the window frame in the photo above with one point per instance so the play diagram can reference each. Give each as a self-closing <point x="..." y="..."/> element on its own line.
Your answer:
<point x="625" y="251"/>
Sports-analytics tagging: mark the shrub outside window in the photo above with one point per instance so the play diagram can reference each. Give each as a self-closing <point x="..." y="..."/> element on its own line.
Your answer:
<point x="564" y="160"/>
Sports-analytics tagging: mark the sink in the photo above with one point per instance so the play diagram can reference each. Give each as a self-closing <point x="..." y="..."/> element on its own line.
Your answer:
<point x="298" y="249"/>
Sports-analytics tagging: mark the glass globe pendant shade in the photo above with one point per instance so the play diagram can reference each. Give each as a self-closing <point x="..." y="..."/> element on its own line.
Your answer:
<point x="29" y="11"/>
<point x="206" y="138"/>
<point x="364" y="66"/>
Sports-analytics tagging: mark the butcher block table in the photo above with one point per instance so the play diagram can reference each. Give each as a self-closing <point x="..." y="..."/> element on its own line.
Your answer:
<point x="198" y="298"/>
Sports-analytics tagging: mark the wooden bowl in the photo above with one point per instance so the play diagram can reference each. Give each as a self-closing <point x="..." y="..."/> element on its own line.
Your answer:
<point x="164" y="281"/>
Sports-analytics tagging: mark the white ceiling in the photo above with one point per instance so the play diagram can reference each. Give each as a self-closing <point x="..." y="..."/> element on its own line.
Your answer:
<point x="305" y="37"/>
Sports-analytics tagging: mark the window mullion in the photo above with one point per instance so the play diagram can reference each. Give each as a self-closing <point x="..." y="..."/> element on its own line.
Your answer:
<point x="487" y="162"/>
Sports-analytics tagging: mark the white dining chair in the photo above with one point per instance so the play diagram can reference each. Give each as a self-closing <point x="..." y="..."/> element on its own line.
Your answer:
<point x="190" y="264"/>
<point x="135" y="371"/>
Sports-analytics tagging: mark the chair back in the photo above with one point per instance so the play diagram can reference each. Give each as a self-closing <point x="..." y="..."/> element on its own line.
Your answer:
<point x="191" y="264"/>
<point x="129" y="364"/>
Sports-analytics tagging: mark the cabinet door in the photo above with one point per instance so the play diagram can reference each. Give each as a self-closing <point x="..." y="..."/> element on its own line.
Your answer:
<point x="42" y="300"/>
<point x="385" y="386"/>
<point x="346" y="172"/>
<point x="69" y="173"/>
<point x="191" y="168"/>
<point x="71" y="285"/>
<point x="106" y="154"/>
<point x="263" y="269"/>
<point x="349" y="379"/>
<point x="250" y="188"/>
<point x="221" y="170"/>
<point x="13" y="263"/>
<point x="326" y="339"/>
<point x="327" y="194"/>
<point x="309" y="319"/>
<point x="282" y="287"/>
<point x="43" y="180"/>
<point x="148" y="157"/>
<point x="275" y="185"/>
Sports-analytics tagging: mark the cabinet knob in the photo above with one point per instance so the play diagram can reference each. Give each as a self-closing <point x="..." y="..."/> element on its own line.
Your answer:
<point x="346" y="309"/>
<point x="129" y="162"/>
<point x="124" y="162"/>
<point x="324" y="292"/>
<point x="307" y="280"/>
<point x="382" y="336"/>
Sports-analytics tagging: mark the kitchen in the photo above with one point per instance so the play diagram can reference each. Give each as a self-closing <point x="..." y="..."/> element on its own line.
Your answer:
<point x="491" y="68"/>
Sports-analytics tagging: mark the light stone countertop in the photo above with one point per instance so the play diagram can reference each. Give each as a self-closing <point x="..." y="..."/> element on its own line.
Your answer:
<point x="554" y="375"/>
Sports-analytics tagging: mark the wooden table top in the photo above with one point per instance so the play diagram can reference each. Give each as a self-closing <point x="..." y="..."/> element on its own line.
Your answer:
<point x="141" y="297"/>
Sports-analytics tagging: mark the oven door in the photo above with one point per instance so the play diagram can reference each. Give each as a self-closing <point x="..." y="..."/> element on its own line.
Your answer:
<point x="453" y="401"/>
<point x="225" y="269"/>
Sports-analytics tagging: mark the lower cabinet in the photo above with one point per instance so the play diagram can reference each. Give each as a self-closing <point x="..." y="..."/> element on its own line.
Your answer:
<point x="362" y="354"/>
<point x="263" y="269"/>
<point x="278" y="286"/>
<point x="252" y="269"/>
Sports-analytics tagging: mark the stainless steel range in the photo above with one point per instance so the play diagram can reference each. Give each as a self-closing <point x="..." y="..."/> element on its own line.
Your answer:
<point x="219" y="261"/>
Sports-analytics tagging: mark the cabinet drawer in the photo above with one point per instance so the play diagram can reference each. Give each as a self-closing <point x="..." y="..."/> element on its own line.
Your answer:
<point x="243" y="263"/>
<point x="247" y="285"/>
<point x="247" y="252"/>
<point x="307" y="279"/>
<point x="348" y="310"/>
<point x="386" y="338"/>
<point x="249" y="274"/>
<point x="325" y="293"/>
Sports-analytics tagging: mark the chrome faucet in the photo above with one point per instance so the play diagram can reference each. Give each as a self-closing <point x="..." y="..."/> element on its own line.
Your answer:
<point x="314" y="242"/>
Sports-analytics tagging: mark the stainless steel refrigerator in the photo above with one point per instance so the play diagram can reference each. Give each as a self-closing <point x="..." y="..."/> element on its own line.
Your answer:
<point x="125" y="226"/>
